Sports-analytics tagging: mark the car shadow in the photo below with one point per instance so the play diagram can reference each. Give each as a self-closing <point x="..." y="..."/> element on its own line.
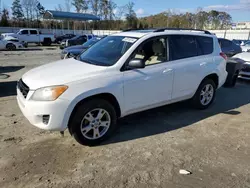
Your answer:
<point x="8" y="89"/>
<point x="8" y="69"/>
<point x="179" y="115"/>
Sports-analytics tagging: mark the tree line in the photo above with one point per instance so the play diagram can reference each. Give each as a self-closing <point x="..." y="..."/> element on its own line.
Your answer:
<point x="28" y="13"/>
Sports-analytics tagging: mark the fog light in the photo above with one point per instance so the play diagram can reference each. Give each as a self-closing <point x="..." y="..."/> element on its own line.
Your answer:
<point x="46" y="119"/>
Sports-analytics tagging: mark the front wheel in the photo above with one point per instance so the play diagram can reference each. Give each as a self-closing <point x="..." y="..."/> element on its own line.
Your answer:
<point x="205" y="94"/>
<point x="10" y="47"/>
<point x="93" y="122"/>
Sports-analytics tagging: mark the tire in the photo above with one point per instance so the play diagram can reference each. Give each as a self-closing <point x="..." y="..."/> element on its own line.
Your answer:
<point x="232" y="80"/>
<point x="82" y="119"/>
<point x="46" y="42"/>
<point x="197" y="99"/>
<point x="10" y="47"/>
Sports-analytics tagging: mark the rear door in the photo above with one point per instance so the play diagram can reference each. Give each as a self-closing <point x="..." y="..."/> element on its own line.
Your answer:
<point x="34" y="36"/>
<point x="189" y="65"/>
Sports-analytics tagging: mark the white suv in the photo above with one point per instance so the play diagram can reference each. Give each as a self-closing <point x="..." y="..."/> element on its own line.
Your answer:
<point x="120" y="75"/>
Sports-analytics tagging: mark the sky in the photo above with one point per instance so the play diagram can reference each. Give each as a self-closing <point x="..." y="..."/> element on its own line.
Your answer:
<point x="238" y="9"/>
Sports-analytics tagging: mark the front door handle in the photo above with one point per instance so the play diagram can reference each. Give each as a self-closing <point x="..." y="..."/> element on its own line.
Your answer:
<point x="167" y="70"/>
<point x="203" y="64"/>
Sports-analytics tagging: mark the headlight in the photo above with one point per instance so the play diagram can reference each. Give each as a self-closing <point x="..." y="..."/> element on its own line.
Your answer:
<point x="48" y="93"/>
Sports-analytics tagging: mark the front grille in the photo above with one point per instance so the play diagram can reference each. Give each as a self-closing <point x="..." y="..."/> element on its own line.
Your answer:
<point x="24" y="89"/>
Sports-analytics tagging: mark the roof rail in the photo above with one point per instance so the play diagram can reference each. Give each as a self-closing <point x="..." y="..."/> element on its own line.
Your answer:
<point x="135" y="29"/>
<point x="184" y="29"/>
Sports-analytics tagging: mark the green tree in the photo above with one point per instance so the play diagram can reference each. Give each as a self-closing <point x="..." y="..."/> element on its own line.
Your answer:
<point x="17" y="10"/>
<point x="5" y="18"/>
<point x="140" y="26"/>
<point x="81" y="5"/>
<point x="131" y="16"/>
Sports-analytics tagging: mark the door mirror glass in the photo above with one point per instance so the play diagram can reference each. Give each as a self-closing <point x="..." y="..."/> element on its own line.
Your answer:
<point x="136" y="64"/>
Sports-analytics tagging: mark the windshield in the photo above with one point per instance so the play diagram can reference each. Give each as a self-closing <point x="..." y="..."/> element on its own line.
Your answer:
<point x="91" y="42"/>
<point x="247" y="43"/>
<point x="108" y="51"/>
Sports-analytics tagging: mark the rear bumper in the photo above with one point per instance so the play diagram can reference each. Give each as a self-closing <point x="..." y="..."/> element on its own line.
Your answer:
<point x="222" y="78"/>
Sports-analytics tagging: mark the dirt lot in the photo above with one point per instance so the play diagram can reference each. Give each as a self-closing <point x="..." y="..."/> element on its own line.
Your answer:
<point x="148" y="150"/>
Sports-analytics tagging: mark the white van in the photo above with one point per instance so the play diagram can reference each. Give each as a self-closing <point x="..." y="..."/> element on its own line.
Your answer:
<point x="120" y="75"/>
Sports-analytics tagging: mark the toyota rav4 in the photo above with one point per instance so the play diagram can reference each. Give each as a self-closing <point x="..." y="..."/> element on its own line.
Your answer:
<point x="122" y="74"/>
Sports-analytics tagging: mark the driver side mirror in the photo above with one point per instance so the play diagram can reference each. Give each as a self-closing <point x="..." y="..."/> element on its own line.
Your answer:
<point x="136" y="64"/>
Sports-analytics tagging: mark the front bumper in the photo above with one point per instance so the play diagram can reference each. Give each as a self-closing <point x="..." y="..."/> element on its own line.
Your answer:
<point x="244" y="75"/>
<point x="35" y="110"/>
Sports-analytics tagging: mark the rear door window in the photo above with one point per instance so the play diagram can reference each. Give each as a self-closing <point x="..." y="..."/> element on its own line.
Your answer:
<point x="183" y="46"/>
<point x="33" y="32"/>
<point x="205" y="44"/>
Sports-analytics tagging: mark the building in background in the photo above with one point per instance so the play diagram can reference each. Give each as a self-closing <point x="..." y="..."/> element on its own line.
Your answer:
<point x="241" y="25"/>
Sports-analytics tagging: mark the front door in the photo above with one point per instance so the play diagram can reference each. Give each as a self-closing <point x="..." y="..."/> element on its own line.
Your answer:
<point x="152" y="85"/>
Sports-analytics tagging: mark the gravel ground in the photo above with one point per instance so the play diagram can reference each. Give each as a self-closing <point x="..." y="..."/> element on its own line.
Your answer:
<point x="148" y="149"/>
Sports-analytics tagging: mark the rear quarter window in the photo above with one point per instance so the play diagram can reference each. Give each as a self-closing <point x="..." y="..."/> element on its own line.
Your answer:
<point x="206" y="44"/>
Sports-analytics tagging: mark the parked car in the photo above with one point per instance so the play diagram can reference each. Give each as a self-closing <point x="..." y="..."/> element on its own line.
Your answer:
<point x="245" y="71"/>
<point x="246" y="47"/>
<point x="78" y="40"/>
<point x="32" y="36"/>
<point x="229" y="47"/>
<point x="10" y="43"/>
<point x="239" y="42"/>
<point x="59" y="39"/>
<point x="74" y="51"/>
<point x="122" y="74"/>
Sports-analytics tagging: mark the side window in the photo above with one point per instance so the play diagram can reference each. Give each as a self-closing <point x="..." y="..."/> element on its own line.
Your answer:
<point x="33" y="32"/>
<point x="206" y="44"/>
<point x="24" y="32"/>
<point x="183" y="46"/>
<point x="152" y="52"/>
<point x="225" y="43"/>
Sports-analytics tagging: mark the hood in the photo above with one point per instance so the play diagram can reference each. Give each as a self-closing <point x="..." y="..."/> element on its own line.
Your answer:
<point x="244" y="56"/>
<point x="77" y="47"/>
<point x="9" y="34"/>
<point x="60" y="72"/>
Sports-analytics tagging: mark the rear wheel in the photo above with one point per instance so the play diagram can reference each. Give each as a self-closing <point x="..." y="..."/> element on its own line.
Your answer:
<point x="10" y="47"/>
<point x="93" y="122"/>
<point x="46" y="42"/>
<point x="205" y="94"/>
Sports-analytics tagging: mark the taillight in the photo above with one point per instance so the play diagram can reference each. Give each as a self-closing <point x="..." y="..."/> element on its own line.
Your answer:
<point x="223" y="55"/>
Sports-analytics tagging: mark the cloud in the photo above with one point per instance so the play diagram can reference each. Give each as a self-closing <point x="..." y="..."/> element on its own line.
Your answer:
<point x="140" y="12"/>
<point x="242" y="5"/>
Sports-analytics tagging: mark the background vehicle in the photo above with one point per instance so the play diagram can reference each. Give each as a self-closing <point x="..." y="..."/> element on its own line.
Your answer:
<point x="229" y="48"/>
<point x="239" y="42"/>
<point x="59" y="39"/>
<point x="74" y="51"/>
<point x="122" y="74"/>
<point x="10" y="43"/>
<point x="245" y="71"/>
<point x="246" y="47"/>
<point x="78" y="40"/>
<point x="32" y="36"/>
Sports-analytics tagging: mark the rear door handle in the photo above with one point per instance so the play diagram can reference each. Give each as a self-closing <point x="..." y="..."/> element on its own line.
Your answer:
<point x="167" y="70"/>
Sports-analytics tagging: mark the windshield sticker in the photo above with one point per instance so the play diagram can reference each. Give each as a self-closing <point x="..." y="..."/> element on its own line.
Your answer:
<point x="130" y="40"/>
